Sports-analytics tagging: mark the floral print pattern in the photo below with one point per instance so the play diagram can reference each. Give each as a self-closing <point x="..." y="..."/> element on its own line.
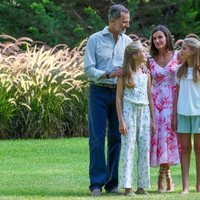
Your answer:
<point x="164" y="143"/>
<point x="138" y="94"/>
<point x="137" y="120"/>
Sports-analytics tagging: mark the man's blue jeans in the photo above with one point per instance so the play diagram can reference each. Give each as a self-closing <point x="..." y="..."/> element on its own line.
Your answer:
<point x="102" y="112"/>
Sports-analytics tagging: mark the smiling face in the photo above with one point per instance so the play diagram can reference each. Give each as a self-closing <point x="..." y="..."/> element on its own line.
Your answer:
<point x="159" y="40"/>
<point x="121" y="24"/>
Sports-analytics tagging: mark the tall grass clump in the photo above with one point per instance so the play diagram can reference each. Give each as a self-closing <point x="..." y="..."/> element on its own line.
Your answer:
<point x="46" y="91"/>
<point x="7" y="103"/>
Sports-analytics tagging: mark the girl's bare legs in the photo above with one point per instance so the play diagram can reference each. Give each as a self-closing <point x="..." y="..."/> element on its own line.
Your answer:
<point x="197" y="155"/>
<point x="186" y="147"/>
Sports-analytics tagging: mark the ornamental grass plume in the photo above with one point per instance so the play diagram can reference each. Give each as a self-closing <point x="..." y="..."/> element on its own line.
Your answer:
<point x="46" y="91"/>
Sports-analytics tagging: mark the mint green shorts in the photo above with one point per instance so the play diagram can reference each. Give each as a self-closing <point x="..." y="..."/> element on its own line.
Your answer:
<point x="188" y="124"/>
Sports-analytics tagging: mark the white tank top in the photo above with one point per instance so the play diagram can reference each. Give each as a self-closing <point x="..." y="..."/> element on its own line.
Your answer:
<point x="138" y="94"/>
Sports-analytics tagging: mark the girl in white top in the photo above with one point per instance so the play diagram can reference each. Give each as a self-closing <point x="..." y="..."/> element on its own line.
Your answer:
<point x="187" y="107"/>
<point x="134" y="109"/>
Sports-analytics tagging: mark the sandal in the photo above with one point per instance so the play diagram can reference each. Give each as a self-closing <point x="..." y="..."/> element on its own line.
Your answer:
<point x="170" y="184"/>
<point x="141" y="191"/>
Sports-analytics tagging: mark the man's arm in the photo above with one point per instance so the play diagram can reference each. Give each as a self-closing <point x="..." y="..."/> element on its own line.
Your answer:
<point x="90" y="62"/>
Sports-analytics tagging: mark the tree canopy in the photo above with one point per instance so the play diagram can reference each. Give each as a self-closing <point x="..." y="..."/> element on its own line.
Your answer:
<point x="69" y="22"/>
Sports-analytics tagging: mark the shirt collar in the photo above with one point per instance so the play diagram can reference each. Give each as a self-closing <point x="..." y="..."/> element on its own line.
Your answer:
<point x="106" y="31"/>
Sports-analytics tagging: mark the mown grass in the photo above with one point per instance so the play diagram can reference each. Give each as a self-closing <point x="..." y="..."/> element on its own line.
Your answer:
<point x="58" y="169"/>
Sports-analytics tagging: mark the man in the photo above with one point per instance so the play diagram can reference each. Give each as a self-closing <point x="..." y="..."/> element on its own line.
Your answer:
<point x="103" y="60"/>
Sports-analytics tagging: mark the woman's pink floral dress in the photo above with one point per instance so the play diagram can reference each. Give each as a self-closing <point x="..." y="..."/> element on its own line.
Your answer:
<point x="164" y="143"/>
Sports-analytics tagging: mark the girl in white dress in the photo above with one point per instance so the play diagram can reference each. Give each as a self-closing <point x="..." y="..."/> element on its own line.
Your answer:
<point x="136" y="116"/>
<point x="187" y="107"/>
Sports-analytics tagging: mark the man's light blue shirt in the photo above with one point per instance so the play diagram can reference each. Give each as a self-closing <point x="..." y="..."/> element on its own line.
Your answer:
<point x="103" y="55"/>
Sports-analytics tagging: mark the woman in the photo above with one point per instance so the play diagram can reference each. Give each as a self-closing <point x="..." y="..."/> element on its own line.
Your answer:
<point x="164" y="143"/>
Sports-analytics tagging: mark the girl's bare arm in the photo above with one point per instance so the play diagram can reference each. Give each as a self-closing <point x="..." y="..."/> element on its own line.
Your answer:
<point x="119" y="99"/>
<point x="151" y="105"/>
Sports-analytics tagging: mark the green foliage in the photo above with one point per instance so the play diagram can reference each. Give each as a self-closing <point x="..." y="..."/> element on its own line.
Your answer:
<point x="43" y="92"/>
<point x="91" y="23"/>
<point x="133" y="5"/>
<point x="40" y="20"/>
<point x="40" y="113"/>
<point x="93" y="19"/>
<point x="76" y="122"/>
<point x="187" y="18"/>
<point x="55" y="22"/>
<point x="7" y="107"/>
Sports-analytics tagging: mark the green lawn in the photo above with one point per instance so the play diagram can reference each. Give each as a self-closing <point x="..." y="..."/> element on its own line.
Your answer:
<point x="58" y="169"/>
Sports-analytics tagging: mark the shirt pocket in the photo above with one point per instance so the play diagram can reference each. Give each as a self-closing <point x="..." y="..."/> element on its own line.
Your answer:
<point x="104" y="51"/>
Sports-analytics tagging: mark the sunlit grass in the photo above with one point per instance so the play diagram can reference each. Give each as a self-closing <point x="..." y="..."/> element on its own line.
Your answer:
<point x="46" y="91"/>
<point x="58" y="169"/>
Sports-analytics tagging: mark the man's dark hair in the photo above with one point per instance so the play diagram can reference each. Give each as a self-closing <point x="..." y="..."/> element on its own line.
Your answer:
<point x="115" y="11"/>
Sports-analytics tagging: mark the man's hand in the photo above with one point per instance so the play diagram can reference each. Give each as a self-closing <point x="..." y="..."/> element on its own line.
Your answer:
<point x="118" y="72"/>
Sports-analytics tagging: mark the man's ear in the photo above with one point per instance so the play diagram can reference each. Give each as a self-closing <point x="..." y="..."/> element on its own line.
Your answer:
<point x="112" y="20"/>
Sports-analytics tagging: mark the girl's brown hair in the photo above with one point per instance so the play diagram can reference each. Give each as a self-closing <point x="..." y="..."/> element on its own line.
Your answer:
<point x="129" y="62"/>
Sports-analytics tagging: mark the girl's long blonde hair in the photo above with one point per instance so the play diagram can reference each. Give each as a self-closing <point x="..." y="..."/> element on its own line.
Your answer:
<point x="194" y="44"/>
<point x="129" y="62"/>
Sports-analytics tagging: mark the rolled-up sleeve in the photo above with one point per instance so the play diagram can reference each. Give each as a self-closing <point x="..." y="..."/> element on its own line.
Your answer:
<point x="90" y="62"/>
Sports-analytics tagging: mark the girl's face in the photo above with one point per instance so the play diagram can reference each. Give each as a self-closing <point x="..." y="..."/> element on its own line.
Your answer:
<point x="186" y="51"/>
<point x="159" y="40"/>
<point x="141" y="56"/>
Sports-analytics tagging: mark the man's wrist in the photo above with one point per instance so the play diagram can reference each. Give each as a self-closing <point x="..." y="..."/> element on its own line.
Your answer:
<point x="107" y="75"/>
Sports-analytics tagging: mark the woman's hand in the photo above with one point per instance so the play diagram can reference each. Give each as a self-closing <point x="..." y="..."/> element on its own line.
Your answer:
<point x="174" y="122"/>
<point x="122" y="128"/>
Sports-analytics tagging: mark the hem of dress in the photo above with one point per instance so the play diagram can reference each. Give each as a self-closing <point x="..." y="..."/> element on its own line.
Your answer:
<point x="170" y="164"/>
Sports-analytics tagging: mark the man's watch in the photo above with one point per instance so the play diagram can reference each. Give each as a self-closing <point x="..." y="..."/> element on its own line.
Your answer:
<point x="107" y="75"/>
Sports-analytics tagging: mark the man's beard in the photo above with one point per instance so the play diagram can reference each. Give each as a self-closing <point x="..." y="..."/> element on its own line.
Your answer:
<point x="122" y="31"/>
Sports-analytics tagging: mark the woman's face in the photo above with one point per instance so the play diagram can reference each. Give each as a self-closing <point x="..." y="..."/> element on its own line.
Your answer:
<point x="159" y="40"/>
<point x="186" y="51"/>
